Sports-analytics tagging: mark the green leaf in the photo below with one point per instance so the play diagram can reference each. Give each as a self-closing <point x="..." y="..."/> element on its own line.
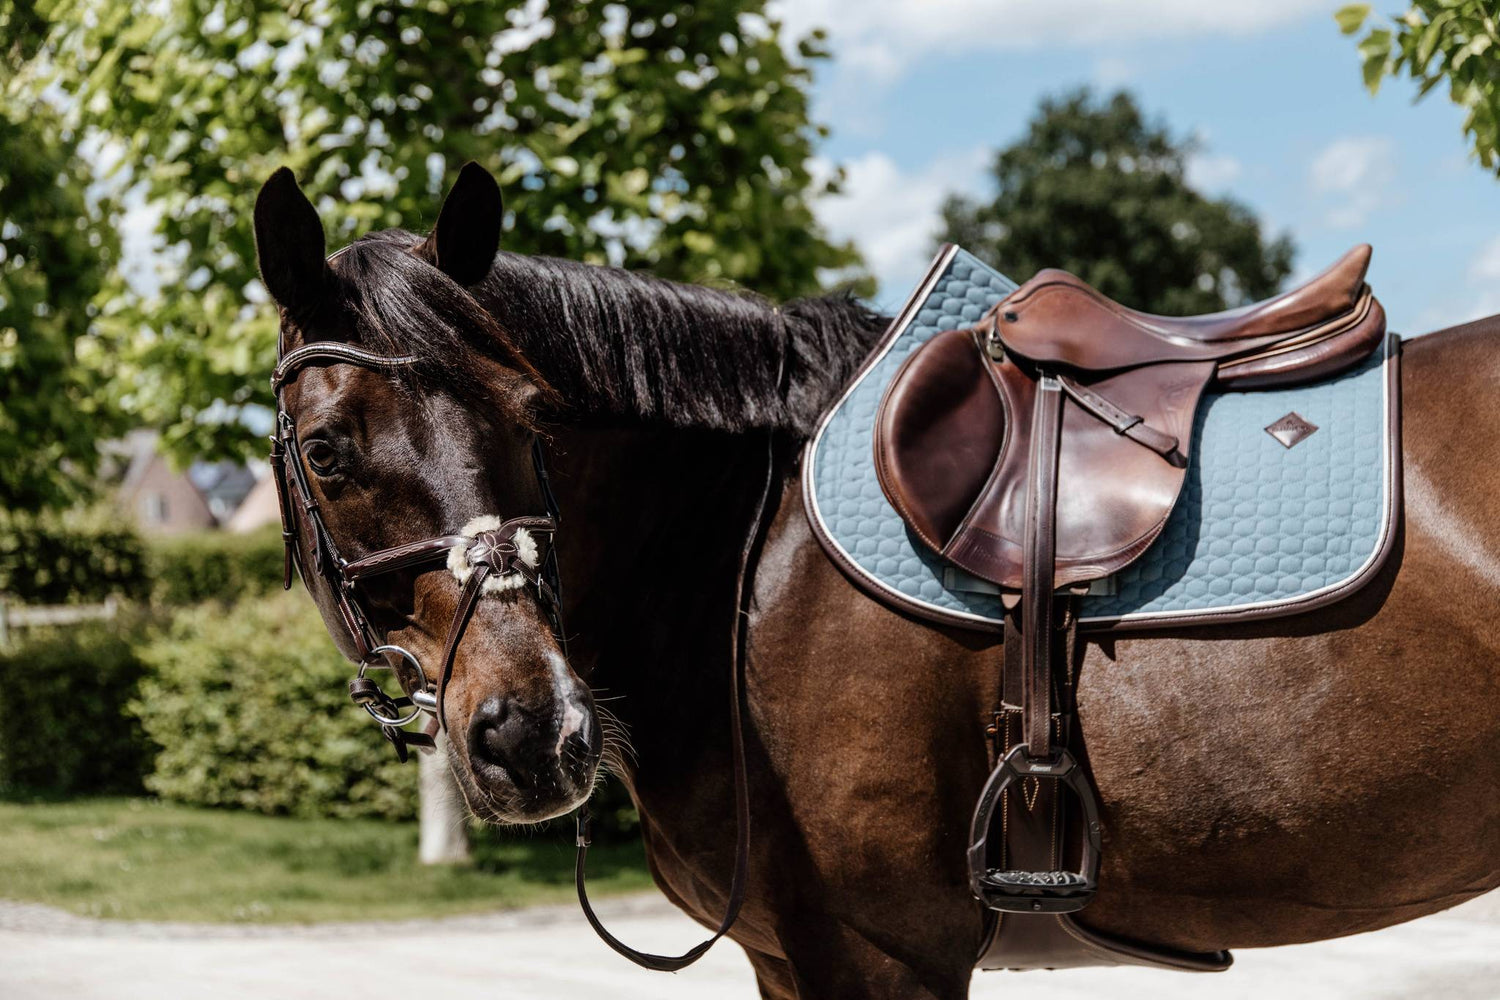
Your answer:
<point x="1427" y="85"/>
<point x="1475" y="46"/>
<point x="1376" y="50"/>
<point x="1351" y="18"/>
<point x="1377" y="44"/>
<point x="1429" y="39"/>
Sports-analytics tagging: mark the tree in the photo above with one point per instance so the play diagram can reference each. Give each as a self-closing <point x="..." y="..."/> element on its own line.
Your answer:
<point x="53" y="259"/>
<point x="1437" y="40"/>
<point x="663" y="134"/>
<point x="1096" y="189"/>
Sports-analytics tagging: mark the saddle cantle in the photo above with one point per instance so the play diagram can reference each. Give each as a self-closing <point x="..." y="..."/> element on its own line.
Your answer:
<point x="953" y="433"/>
<point x="1044" y="448"/>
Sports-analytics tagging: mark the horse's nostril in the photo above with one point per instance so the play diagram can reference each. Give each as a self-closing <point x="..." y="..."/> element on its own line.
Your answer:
<point x="502" y="735"/>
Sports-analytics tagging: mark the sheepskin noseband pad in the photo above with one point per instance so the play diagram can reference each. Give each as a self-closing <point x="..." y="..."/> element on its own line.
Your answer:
<point x="502" y="546"/>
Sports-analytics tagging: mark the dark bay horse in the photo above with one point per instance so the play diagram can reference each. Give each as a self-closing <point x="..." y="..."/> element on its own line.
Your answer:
<point x="1277" y="783"/>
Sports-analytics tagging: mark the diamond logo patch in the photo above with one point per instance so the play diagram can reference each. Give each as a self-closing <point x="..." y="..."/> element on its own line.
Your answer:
<point x="1291" y="429"/>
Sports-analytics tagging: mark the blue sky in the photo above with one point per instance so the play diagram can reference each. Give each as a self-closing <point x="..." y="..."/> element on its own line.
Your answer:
<point x="920" y="94"/>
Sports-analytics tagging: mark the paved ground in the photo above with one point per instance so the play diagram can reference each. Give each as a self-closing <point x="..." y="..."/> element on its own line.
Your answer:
<point x="550" y="954"/>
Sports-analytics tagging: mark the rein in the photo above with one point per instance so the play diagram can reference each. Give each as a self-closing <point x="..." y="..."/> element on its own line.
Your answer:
<point x="490" y="554"/>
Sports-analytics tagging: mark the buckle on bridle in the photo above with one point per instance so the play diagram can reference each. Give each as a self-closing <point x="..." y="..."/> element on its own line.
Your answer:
<point x="384" y="709"/>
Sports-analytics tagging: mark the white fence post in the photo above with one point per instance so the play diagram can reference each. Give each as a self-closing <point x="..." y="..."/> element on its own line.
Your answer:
<point x="17" y="616"/>
<point x="443" y="816"/>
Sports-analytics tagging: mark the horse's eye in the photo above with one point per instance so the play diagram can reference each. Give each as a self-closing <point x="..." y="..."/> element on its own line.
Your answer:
<point x="321" y="457"/>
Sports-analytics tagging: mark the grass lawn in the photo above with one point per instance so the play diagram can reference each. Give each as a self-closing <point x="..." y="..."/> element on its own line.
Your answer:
<point x="141" y="859"/>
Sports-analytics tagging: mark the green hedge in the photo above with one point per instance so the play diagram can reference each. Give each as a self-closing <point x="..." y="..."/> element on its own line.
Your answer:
<point x="250" y="709"/>
<point x="81" y="557"/>
<point x="190" y="569"/>
<point x="77" y="557"/>
<point x="64" y="728"/>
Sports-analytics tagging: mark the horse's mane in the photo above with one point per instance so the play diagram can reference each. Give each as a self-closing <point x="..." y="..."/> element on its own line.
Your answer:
<point x="616" y="344"/>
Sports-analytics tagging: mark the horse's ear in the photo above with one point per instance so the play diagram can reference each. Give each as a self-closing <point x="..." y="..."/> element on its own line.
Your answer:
<point x="466" y="238"/>
<point x="289" y="243"/>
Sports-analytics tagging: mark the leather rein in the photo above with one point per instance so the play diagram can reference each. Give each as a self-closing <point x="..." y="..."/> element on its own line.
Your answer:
<point x="515" y="547"/>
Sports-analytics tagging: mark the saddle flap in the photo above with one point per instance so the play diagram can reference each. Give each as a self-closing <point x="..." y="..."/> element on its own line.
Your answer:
<point x="951" y="442"/>
<point x="939" y="435"/>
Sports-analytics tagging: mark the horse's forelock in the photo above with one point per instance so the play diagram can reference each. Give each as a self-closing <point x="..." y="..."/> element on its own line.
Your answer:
<point x="397" y="303"/>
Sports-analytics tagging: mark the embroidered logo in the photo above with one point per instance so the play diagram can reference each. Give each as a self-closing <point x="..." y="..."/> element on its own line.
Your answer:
<point x="1291" y="429"/>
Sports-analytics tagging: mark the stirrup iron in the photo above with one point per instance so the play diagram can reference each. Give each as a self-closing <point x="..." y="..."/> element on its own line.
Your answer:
<point x="1014" y="891"/>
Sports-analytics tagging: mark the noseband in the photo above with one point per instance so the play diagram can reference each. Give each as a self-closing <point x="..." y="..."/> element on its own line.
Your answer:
<point x="488" y="556"/>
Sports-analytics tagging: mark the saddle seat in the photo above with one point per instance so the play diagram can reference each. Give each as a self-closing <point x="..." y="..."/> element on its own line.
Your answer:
<point x="1057" y="318"/>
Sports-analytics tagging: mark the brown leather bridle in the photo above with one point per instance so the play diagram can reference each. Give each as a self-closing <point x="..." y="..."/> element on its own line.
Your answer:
<point x="486" y="553"/>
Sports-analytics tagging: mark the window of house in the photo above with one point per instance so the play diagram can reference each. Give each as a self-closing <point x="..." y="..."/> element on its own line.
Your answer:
<point x="154" y="508"/>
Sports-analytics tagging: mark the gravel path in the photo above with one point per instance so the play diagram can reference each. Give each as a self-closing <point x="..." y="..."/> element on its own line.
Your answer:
<point x="550" y="954"/>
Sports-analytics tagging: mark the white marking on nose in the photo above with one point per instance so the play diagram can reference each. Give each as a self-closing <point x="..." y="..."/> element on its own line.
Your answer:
<point x="572" y="714"/>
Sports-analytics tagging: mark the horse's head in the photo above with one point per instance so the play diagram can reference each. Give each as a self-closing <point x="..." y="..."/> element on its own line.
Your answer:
<point x="438" y="446"/>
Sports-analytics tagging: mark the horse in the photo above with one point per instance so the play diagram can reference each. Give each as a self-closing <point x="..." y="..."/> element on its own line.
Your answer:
<point x="1261" y="784"/>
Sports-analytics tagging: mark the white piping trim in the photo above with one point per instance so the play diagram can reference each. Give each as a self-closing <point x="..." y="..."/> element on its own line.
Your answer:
<point x="903" y="320"/>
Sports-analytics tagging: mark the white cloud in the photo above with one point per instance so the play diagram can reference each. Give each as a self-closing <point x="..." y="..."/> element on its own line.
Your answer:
<point x="892" y="215"/>
<point x="1212" y="173"/>
<point x="1481" y="296"/>
<point x="882" y="38"/>
<point x="1486" y="264"/>
<point x="1112" y="72"/>
<point x="1354" y="174"/>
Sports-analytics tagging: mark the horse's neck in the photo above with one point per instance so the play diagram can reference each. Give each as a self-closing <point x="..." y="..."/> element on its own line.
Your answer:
<point x="653" y="523"/>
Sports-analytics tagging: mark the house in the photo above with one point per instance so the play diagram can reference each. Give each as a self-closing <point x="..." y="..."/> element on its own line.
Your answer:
<point x="162" y="500"/>
<point x="224" y="486"/>
<point x="259" y="508"/>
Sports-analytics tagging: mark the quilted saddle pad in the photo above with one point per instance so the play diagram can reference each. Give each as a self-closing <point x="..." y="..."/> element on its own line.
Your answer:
<point x="1260" y="529"/>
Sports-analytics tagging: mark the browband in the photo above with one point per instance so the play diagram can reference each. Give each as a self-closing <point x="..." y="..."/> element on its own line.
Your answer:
<point x="333" y="352"/>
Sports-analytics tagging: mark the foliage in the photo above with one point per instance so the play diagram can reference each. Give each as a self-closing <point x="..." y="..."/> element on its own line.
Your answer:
<point x="613" y="815"/>
<point x="1096" y="189"/>
<point x="53" y="258"/>
<point x="215" y="565"/>
<point x="1437" y="40"/>
<point x="661" y="134"/>
<point x="250" y="711"/>
<point x="64" y="729"/>
<point x="149" y="860"/>
<point x="70" y="558"/>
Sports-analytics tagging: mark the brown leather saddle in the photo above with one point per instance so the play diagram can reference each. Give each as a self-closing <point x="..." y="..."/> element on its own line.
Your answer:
<point x="1044" y="448"/>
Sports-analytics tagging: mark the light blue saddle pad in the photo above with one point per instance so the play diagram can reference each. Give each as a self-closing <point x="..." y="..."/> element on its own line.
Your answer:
<point x="1260" y="530"/>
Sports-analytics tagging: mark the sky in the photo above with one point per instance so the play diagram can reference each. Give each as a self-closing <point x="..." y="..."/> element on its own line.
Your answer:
<point x="920" y="95"/>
